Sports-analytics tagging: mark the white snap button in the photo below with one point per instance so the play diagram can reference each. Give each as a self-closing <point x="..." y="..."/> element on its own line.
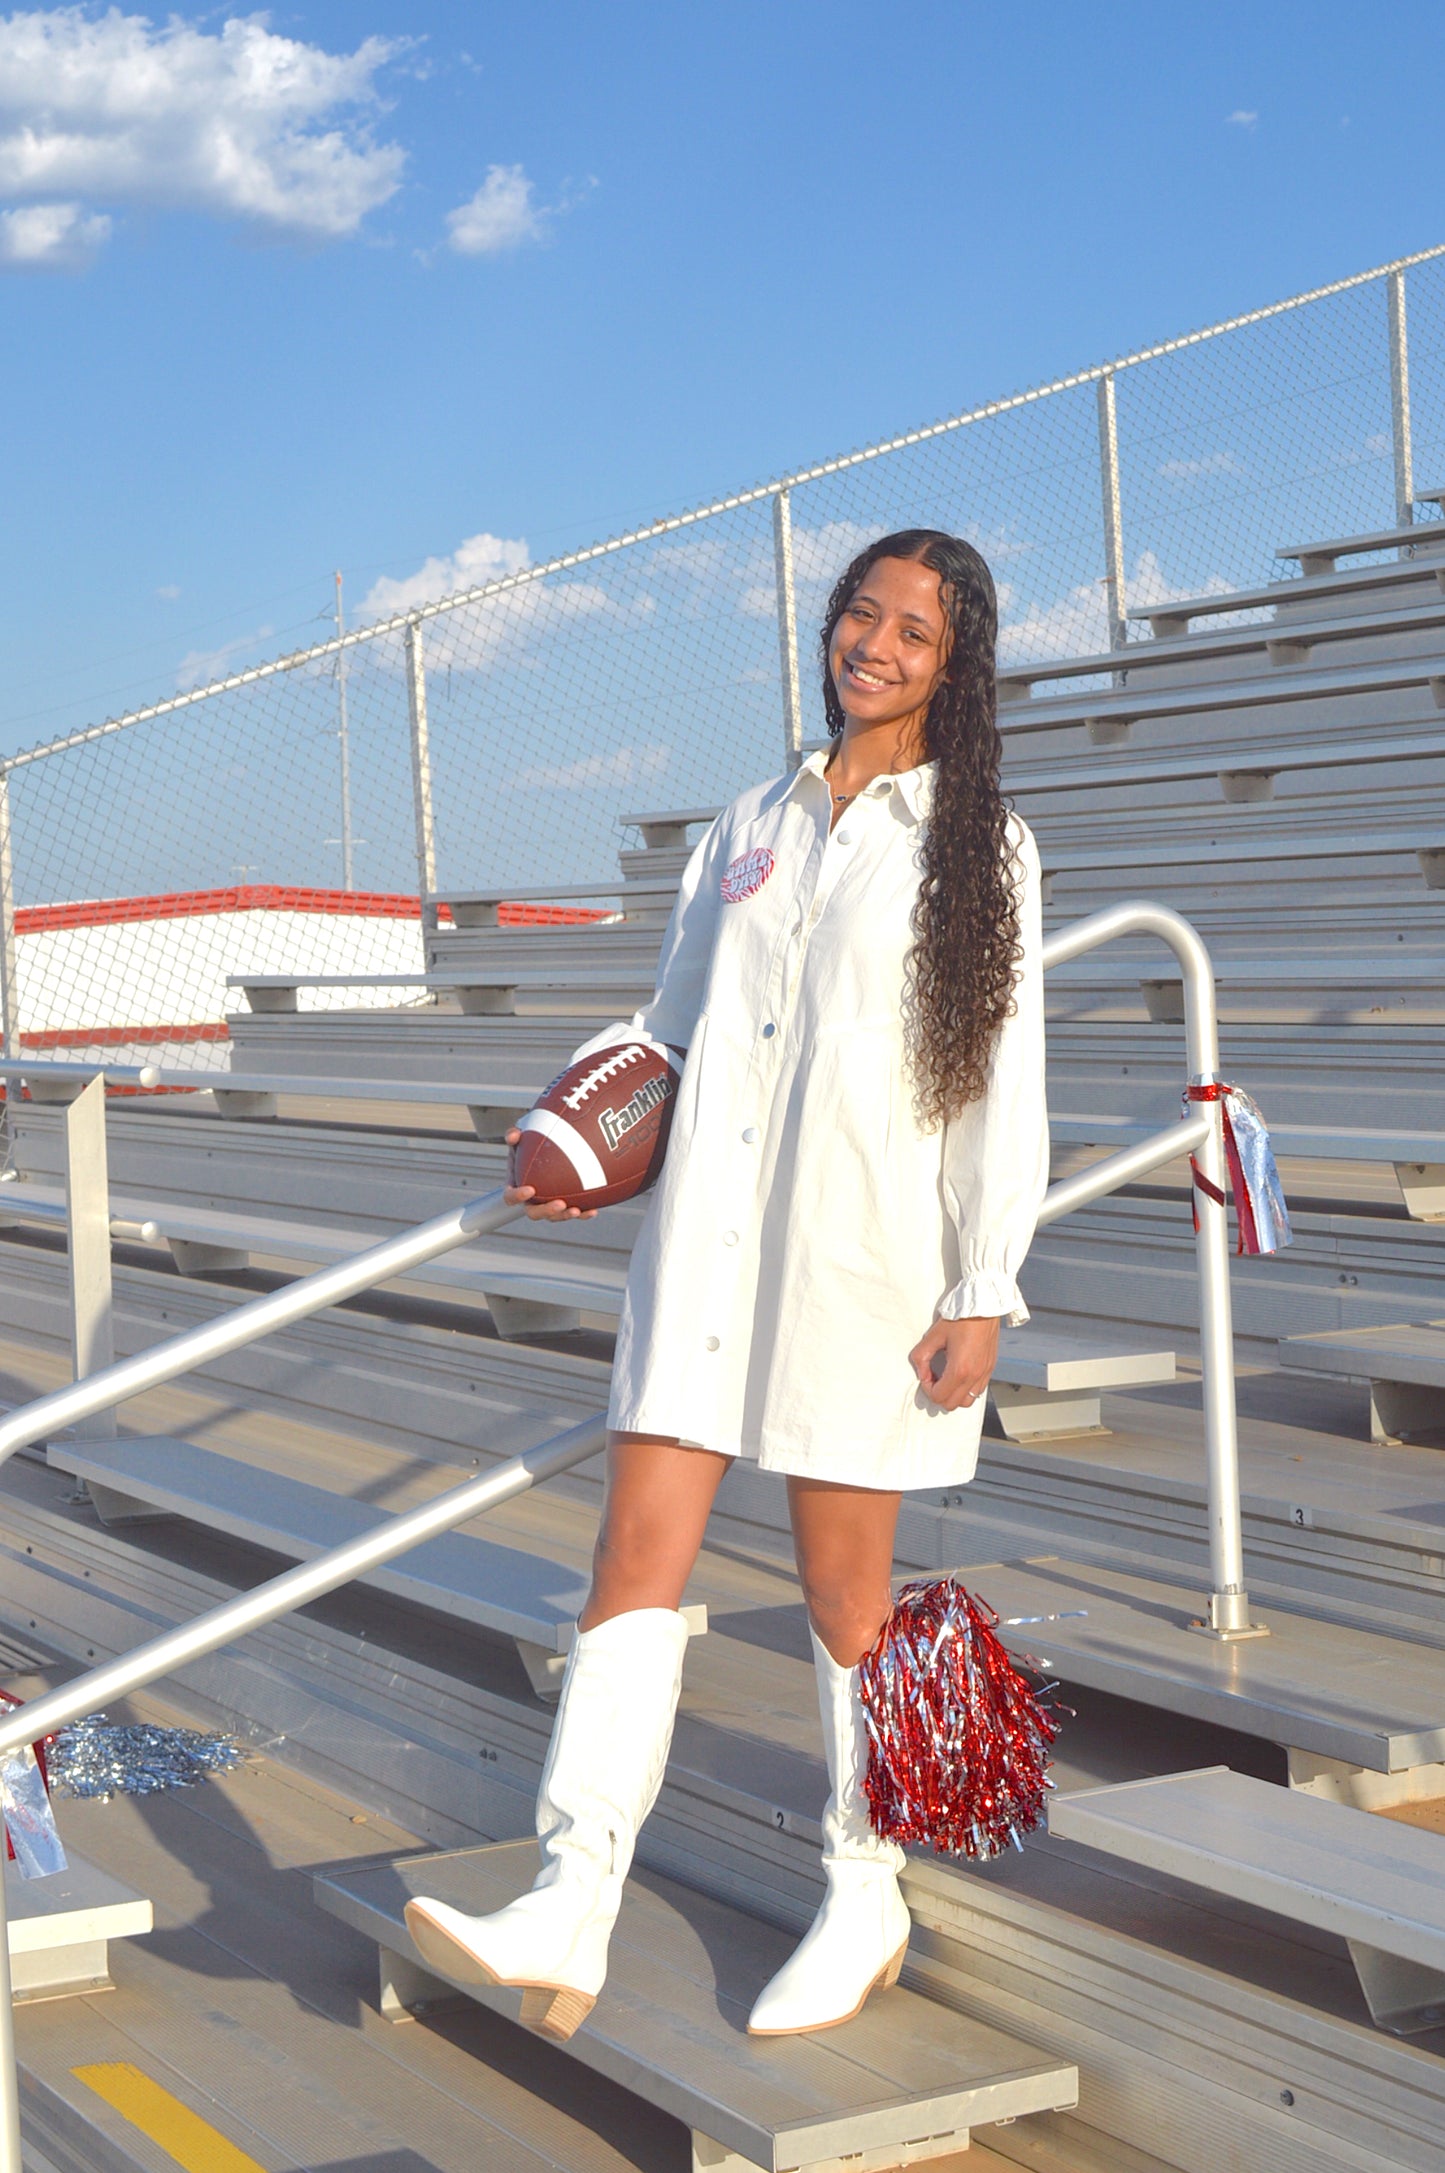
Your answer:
<point x="845" y="837"/>
<point x="712" y="1343"/>
<point x="730" y="1237"/>
<point x="750" y="1135"/>
<point x="769" y="1030"/>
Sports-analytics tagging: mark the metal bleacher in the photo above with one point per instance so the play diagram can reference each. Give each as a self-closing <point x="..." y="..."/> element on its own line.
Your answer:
<point x="1321" y="891"/>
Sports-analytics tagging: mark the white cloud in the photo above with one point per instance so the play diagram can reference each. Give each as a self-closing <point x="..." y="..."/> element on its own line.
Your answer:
<point x="479" y="559"/>
<point x="241" y="123"/>
<point x="624" y="766"/>
<point x="1077" y="624"/>
<point x="475" y="635"/>
<point x="1188" y="471"/>
<point x="1241" y="118"/>
<point x="51" y="237"/>
<point x="198" y="667"/>
<point x="168" y="592"/>
<point x="500" y="216"/>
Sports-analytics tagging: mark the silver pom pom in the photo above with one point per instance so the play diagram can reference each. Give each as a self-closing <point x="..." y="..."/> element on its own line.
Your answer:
<point x="93" y="1759"/>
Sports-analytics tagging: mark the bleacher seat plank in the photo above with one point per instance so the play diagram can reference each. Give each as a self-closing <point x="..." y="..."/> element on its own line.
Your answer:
<point x="1270" y="637"/>
<point x="1404" y="1363"/>
<point x="666" y="830"/>
<point x="1320" y="557"/>
<point x="260" y="1087"/>
<point x="1380" y="1886"/>
<point x="479" y="990"/>
<point x="1225" y="764"/>
<point x="502" y="1589"/>
<point x="1171" y="618"/>
<point x="902" y="2084"/>
<point x="1230" y="844"/>
<point x="1044" y="1384"/>
<point x="1130" y="704"/>
<point x="478" y="908"/>
<point x="1309" y="1686"/>
<point x="60" y="1928"/>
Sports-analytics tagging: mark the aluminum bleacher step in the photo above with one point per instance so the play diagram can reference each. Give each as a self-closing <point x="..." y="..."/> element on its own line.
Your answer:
<point x="481" y="908"/>
<point x="1404" y="1363"/>
<point x="1320" y="1690"/>
<point x="1417" y="1159"/>
<point x="209" y="1241"/>
<point x="1245" y="775"/>
<point x="513" y="1594"/>
<point x="903" y="2084"/>
<point x="1230" y="845"/>
<point x="668" y="828"/>
<point x="1044" y="1385"/>
<point x="1380" y="1887"/>
<point x="61" y="1927"/>
<point x="492" y="1108"/>
<point x="1280" y="642"/>
<point x="1173" y="617"/>
<point x="478" y="992"/>
<point x="1112" y="710"/>
<point x="1321" y="557"/>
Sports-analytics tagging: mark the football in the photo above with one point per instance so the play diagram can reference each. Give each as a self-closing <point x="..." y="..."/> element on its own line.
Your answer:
<point x="599" y="1133"/>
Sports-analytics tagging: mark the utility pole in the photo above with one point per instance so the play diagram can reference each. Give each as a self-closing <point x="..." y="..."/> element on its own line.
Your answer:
<point x="343" y="735"/>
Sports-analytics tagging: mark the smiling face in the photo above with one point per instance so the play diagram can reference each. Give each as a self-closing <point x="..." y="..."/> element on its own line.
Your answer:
<point x="890" y="645"/>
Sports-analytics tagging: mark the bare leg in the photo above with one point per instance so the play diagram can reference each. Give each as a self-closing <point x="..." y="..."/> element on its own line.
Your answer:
<point x="659" y="1496"/>
<point x="843" y="1541"/>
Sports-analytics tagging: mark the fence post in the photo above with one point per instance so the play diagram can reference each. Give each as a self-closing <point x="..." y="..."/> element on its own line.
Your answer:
<point x="426" y="844"/>
<point x="1113" y="515"/>
<point x="1400" y="404"/>
<point x="87" y="1210"/>
<point x="9" y="991"/>
<point x="787" y="628"/>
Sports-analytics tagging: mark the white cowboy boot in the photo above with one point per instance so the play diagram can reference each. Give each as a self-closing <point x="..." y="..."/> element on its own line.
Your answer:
<point x="603" y="1772"/>
<point x="858" y="1939"/>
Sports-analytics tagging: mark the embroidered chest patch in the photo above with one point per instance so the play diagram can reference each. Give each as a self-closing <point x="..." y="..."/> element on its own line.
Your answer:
<point x="745" y="876"/>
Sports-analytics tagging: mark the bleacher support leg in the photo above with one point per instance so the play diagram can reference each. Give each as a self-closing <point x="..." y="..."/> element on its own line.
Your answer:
<point x="10" y="2160"/>
<point x="404" y="1988"/>
<point x="1228" y="1615"/>
<point x="87" y="1206"/>
<point x="1403" y="1997"/>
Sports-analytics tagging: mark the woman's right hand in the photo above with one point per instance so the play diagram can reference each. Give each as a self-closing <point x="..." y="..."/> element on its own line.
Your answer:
<point x="542" y="1210"/>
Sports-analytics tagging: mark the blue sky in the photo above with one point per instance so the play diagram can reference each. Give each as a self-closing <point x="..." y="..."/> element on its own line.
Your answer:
<point x="343" y="286"/>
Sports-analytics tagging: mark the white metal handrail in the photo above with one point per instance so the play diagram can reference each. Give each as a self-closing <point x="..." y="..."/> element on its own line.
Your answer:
<point x="1200" y="1134"/>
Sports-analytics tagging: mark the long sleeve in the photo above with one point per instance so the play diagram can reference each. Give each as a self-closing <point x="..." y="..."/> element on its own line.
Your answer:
<point x="683" y="964"/>
<point x="996" y="1152"/>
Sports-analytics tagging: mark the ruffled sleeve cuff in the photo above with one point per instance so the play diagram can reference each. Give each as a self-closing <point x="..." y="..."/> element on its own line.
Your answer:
<point x="985" y="1297"/>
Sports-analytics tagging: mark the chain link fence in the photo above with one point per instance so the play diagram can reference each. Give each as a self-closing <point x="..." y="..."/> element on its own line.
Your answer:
<point x="307" y="816"/>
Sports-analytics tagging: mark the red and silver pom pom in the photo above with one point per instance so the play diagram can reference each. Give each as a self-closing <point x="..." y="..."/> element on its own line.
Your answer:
<point x="959" y="1738"/>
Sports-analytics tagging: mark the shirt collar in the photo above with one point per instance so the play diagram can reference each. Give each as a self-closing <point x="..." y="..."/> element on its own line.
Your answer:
<point x="914" y="787"/>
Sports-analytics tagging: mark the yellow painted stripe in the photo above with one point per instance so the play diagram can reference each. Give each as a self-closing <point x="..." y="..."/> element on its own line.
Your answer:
<point x="181" y="2134"/>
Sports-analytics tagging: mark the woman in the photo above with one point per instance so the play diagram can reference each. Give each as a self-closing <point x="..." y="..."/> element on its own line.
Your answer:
<point x="858" y="1153"/>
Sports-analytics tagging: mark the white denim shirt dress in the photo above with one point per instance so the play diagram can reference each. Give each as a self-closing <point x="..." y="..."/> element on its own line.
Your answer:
<point x="805" y="1231"/>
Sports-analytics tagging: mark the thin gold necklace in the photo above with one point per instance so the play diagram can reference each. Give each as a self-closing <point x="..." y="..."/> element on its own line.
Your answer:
<point x="842" y="798"/>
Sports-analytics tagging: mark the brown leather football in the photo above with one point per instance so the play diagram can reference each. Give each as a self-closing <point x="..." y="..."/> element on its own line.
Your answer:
<point x="599" y="1133"/>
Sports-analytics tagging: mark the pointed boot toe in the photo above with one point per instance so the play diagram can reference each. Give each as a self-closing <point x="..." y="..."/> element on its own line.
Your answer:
<point x="855" y="1946"/>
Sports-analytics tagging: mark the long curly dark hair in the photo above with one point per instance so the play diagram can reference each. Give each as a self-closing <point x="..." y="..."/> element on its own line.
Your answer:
<point x="963" y="966"/>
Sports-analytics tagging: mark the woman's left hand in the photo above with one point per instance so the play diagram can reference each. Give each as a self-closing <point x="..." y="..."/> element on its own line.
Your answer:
<point x="954" y="1361"/>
